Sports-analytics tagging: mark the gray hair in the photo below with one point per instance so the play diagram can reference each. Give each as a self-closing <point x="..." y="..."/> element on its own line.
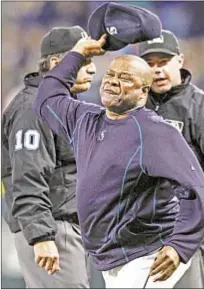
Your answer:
<point x="44" y="62"/>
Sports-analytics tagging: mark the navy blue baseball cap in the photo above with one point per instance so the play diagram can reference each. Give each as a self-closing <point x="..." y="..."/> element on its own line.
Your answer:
<point x="124" y="24"/>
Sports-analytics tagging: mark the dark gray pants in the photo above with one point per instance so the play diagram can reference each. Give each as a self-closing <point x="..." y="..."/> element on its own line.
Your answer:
<point x="96" y="277"/>
<point x="194" y="276"/>
<point x="73" y="261"/>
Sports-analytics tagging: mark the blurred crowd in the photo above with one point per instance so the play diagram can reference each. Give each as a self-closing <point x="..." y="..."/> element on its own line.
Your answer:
<point x="24" y="24"/>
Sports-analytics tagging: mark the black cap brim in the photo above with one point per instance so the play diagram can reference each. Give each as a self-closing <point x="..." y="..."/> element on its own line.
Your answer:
<point x="158" y="50"/>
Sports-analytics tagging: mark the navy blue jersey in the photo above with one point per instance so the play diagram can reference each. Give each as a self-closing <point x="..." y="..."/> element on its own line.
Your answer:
<point x="139" y="185"/>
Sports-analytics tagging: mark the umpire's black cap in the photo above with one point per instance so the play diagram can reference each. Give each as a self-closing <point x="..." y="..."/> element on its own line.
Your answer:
<point x="167" y="43"/>
<point x="61" y="39"/>
<point x="124" y="24"/>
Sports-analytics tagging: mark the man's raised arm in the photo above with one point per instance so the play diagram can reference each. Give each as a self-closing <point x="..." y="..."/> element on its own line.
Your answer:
<point x="54" y="103"/>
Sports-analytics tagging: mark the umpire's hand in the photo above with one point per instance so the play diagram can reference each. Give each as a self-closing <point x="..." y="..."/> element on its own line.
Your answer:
<point x="166" y="262"/>
<point x="47" y="256"/>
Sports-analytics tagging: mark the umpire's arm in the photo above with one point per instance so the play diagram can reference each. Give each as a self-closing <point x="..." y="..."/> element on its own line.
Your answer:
<point x="32" y="155"/>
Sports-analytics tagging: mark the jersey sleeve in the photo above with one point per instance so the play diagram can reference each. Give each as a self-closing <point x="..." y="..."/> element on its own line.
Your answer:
<point x="168" y="155"/>
<point x="54" y="102"/>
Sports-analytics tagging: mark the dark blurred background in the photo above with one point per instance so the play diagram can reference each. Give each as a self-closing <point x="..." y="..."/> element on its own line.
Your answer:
<point x="25" y="23"/>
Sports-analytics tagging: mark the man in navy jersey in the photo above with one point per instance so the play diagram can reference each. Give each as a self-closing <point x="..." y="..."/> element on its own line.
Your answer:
<point x="133" y="223"/>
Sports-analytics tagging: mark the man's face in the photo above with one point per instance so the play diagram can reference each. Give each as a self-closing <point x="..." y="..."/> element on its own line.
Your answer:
<point x="123" y="85"/>
<point x="166" y="71"/>
<point x="84" y="77"/>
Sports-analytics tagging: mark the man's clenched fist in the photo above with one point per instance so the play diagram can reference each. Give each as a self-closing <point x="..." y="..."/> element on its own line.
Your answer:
<point x="89" y="47"/>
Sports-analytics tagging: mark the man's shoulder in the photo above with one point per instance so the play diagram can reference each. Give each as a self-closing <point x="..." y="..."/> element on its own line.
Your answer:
<point x="19" y="100"/>
<point x="196" y="89"/>
<point x="22" y="96"/>
<point x="196" y="99"/>
<point x="197" y="93"/>
<point x="20" y="112"/>
<point x="154" y="125"/>
<point x="150" y="116"/>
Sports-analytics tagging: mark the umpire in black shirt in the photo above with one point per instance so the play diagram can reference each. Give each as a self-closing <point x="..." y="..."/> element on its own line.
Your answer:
<point x="39" y="174"/>
<point x="181" y="104"/>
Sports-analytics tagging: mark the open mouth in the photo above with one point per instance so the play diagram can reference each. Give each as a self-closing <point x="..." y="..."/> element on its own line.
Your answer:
<point x="110" y="91"/>
<point x="160" y="81"/>
<point x="84" y="81"/>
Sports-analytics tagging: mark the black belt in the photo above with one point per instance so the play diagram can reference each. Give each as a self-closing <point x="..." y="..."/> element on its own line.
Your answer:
<point x="72" y="218"/>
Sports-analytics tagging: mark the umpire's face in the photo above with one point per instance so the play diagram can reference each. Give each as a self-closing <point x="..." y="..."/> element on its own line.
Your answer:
<point x="126" y="83"/>
<point x="84" y="77"/>
<point x="166" y="70"/>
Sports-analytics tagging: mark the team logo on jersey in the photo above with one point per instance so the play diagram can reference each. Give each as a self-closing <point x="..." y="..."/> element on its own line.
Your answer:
<point x="112" y="30"/>
<point x="176" y="123"/>
<point x="101" y="136"/>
